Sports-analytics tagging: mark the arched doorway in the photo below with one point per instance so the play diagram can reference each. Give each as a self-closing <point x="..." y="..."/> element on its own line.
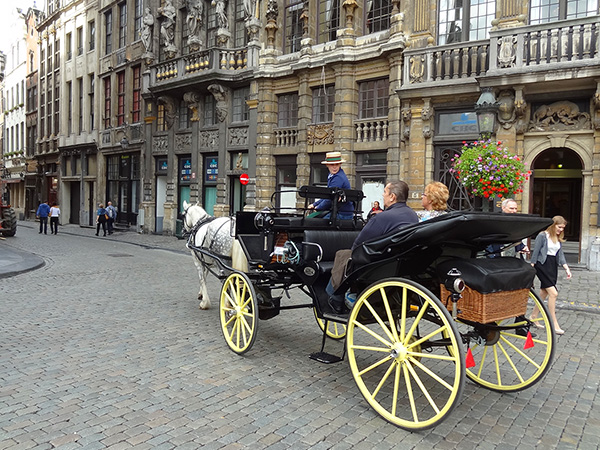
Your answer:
<point x="557" y="178"/>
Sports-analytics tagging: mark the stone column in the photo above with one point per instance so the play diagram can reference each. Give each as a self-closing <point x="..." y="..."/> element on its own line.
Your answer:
<point x="395" y="166"/>
<point x="265" y="161"/>
<point x="304" y="118"/>
<point x="346" y="99"/>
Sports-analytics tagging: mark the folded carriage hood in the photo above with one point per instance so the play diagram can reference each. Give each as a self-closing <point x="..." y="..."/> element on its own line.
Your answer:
<point x="475" y="230"/>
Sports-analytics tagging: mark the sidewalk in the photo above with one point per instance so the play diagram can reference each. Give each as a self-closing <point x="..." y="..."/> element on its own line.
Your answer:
<point x="581" y="293"/>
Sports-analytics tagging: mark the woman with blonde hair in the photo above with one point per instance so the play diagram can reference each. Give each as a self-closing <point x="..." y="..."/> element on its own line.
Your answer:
<point x="434" y="201"/>
<point x="547" y="256"/>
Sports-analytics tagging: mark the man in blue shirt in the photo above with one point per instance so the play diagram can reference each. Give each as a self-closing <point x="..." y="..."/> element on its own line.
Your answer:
<point x="42" y="212"/>
<point x="336" y="178"/>
<point x="396" y="215"/>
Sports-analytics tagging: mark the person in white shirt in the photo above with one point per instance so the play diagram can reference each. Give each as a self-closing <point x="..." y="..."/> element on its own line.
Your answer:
<point x="54" y="214"/>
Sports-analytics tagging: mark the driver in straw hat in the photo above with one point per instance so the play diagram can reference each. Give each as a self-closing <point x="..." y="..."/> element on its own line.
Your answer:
<point x="336" y="178"/>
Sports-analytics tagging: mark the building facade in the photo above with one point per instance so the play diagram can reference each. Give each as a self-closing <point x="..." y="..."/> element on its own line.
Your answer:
<point x="201" y="105"/>
<point x="393" y="86"/>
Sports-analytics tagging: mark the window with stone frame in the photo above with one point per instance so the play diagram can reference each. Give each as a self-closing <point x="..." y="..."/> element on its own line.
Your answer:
<point x="122" y="24"/>
<point x="293" y="26"/>
<point x="49" y="94"/>
<point x="108" y="32"/>
<point x="184" y="117"/>
<point x="240" y="34"/>
<point x="136" y="104"/>
<point x="69" y="107"/>
<point x="79" y="105"/>
<point x="91" y="101"/>
<point x="287" y="110"/>
<point x="373" y="98"/>
<point x="464" y="20"/>
<point x="79" y="41"/>
<point x="185" y="32"/>
<point x="161" y="122"/>
<point x="544" y="11"/>
<point x="323" y="104"/>
<point x="241" y="111"/>
<point x="210" y="111"/>
<point x="329" y="20"/>
<point x="377" y="15"/>
<point x="137" y="19"/>
<point x="91" y="35"/>
<point x="107" y="103"/>
<point x="69" y="46"/>
<point x="211" y="26"/>
<point x="121" y="98"/>
<point x="56" y="56"/>
<point x="56" y="110"/>
<point x="42" y="114"/>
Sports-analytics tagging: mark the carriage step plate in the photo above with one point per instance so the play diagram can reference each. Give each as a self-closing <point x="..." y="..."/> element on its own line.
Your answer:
<point x="326" y="358"/>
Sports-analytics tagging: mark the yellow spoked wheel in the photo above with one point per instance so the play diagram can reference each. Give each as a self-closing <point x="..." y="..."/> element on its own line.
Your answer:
<point x="239" y="312"/>
<point x="397" y="337"/>
<point x="335" y="330"/>
<point x="504" y="359"/>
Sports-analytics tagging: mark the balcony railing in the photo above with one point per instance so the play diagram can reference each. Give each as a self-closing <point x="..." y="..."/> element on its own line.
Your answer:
<point x="508" y="50"/>
<point x="371" y="130"/>
<point x="286" y="137"/>
<point x="214" y="59"/>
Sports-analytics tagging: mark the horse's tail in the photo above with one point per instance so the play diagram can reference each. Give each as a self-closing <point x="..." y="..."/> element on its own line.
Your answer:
<point x="238" y="257"/>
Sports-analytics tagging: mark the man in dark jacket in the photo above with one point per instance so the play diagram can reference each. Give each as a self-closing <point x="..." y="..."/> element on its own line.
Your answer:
<point x="397" y="214"/>
<point x="42" y="212"/>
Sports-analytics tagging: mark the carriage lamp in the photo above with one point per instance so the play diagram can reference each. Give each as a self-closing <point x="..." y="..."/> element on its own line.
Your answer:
<point x="453" y="282"/>
<point x="486" y="109"/>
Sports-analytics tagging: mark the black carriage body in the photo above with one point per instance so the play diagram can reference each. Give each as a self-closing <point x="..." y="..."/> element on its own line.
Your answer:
<point x="398" y="324"/>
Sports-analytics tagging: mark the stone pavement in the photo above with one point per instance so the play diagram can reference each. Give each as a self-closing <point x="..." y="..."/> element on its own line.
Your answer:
<point x="104" y="347"/>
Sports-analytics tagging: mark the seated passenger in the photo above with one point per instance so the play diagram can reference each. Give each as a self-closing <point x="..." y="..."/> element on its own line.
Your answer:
<point x="336" y="178"/>
<point x="434" y="200"/>
<point x="396" y="215"/>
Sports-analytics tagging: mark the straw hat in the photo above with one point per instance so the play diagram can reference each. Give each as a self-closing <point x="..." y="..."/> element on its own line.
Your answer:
<point x="333" y="158"/>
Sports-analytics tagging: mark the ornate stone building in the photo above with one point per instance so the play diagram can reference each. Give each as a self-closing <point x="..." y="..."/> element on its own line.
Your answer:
<point x="393" y="86"/>
<point x="200" y="116"/>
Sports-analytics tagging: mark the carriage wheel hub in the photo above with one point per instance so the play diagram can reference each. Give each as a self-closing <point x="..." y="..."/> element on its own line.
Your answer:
<point x="399" y="352"/>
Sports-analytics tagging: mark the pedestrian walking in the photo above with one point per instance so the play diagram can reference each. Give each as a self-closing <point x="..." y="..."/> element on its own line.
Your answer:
<point x="101" y="219"/>
<point x="54" y="215"/>
<point x="111" y="212"/>
<point x="42" y="213"/>
<point x="547" y="256"/>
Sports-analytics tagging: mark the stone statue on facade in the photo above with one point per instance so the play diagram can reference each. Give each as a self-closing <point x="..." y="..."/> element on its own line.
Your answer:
<point x="195" y="21"/>
<point x="220" y="11"/>
<point x="167" y="28"/>
<point x="147" y="30"/>
<point x="220" y="95"/>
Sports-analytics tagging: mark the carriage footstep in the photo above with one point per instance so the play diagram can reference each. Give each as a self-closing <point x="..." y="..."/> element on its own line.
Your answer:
<point x="326" y="358"/>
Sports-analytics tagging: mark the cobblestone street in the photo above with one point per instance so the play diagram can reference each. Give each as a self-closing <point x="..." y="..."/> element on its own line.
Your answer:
<point x="105" y="347"/>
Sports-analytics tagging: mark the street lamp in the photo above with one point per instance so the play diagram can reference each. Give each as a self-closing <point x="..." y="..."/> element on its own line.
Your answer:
<point x="486" y="109"/>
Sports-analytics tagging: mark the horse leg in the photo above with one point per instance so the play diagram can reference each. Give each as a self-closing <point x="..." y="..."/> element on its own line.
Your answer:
<point x="203" y="292"/>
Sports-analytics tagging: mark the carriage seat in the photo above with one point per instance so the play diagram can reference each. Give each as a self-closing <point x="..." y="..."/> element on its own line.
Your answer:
<point x="330" y="242"/>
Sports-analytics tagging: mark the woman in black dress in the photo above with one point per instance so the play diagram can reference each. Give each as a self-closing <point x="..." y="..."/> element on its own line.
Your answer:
<point x="547" y="256"/>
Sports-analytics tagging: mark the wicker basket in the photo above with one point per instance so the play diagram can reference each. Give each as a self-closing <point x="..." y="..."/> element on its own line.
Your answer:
<point x="486" y="308"/>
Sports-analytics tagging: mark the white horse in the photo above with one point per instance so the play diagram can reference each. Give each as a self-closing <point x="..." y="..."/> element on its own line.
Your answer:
<point x="214" y="235"/>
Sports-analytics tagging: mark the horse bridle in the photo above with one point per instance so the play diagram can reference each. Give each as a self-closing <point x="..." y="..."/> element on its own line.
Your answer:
<point x="195" y="227"/>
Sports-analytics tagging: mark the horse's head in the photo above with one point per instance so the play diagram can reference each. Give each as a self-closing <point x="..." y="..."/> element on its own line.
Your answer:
<point x="192" y="214"/>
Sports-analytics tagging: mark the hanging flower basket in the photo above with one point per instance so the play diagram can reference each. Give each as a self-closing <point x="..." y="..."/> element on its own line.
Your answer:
<point x="488" y="170"/>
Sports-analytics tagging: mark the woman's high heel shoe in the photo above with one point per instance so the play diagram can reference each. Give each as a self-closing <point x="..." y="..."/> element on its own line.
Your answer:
<point x="536" y="322"/>
<point x="559" y="331"/>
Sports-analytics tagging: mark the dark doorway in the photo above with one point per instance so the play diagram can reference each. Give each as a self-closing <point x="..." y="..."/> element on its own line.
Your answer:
<point x="75" y="202"/>
<point x="557" y="188"/>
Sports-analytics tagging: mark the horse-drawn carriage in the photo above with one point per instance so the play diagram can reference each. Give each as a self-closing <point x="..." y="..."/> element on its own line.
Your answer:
<point x="431" y="309"/>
